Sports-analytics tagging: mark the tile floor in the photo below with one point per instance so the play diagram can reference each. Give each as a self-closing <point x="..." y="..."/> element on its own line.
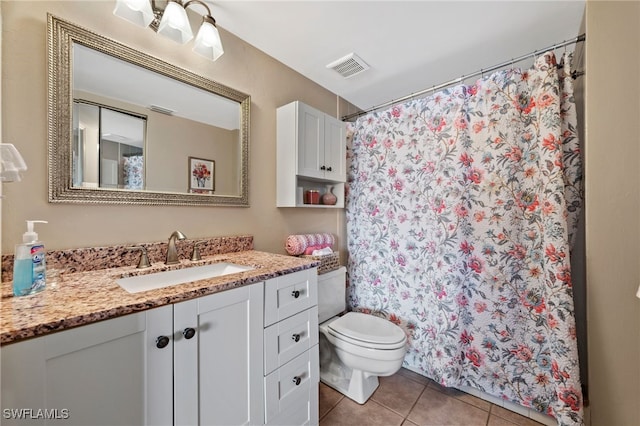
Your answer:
<point x="409" y="399"/>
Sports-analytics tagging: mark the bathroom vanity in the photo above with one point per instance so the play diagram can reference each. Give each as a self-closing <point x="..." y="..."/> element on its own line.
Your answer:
<point x="235" y="349"/>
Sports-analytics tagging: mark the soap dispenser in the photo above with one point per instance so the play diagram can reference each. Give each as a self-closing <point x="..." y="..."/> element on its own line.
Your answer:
<point x="29" y="267"/>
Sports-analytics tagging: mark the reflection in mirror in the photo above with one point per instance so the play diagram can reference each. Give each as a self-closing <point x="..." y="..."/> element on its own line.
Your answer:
<point x="124" y="126"/>
<point x="108" y="147"/>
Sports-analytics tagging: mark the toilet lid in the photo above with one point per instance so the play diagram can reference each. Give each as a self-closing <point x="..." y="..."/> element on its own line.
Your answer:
<point x="368" y="329"/>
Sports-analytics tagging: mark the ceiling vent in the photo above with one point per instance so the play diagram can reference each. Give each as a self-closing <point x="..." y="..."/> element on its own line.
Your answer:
<point x="161" y="110"/>
<point x="349" y="65"/>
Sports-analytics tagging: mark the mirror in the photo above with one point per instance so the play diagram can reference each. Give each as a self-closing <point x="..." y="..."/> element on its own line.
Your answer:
<point x="128" y="128"/>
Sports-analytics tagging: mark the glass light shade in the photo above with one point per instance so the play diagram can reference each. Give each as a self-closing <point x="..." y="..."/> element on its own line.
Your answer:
<point x="175" y="24"/>
<point x="135" y="11"/>
<point x="208" y="43"/>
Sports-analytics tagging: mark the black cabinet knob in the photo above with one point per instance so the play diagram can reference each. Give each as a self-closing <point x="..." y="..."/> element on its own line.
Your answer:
<point x="296" y="337"/>
<point x="162" y="341"/>
<point x="297" y="380"/>
<point x="323" y="168"/>
<point x="188" y="333"/>
<point x="329" y="168"/>
<point x="295" y="294"/>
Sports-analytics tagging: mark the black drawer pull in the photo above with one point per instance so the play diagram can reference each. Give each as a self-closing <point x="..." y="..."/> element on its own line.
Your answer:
<point x="188" y="333"/>
<point x="295" y="294"/>
<point x="296" y="337"/>
<point x="162" y="342"/>
<point x="297" y="380"/>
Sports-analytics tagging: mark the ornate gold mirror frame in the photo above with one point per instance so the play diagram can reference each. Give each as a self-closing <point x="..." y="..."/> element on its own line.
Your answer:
<point x="61" y="36"/>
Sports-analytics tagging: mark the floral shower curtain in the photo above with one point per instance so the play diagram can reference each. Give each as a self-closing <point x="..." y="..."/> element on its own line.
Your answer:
<point x="133" y="167"/>
<point x="460" y="212"/>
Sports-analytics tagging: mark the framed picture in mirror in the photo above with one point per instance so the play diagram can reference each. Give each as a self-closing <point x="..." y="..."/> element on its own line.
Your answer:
<point x="202" y="177"/>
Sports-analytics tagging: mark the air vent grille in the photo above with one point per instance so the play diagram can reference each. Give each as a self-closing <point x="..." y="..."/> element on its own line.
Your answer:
<point x="349" y="65"/>
<point x="161" y="110"/>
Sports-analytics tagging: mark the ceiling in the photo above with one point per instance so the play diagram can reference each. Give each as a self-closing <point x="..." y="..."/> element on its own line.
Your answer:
<point x="409" y="45"/>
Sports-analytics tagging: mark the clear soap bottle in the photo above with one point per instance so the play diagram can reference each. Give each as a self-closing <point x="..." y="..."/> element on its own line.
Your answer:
<point x="29" y="267"/>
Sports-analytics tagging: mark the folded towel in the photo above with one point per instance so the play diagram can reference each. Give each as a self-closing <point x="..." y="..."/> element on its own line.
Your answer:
<point x="318" y="247"/>
<point x="322" y="252"/>
<point x="298" y="244"/>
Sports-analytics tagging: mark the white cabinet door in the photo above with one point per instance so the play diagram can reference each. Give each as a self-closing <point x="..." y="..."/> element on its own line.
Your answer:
<point x="321" y="145"/>
<point x="159" y="366"/>
<point x="311" y="136"/>
<point x="107" y="373"/>
<point x="217" y="366"/>
<point x="335" y="159"/>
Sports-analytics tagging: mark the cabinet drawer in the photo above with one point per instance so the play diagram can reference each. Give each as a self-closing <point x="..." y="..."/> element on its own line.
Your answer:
<point x="289" y="294"/>
<point x="300" y="411"/>
<point x="283" y="395"/>
<point x="288" y="338"/>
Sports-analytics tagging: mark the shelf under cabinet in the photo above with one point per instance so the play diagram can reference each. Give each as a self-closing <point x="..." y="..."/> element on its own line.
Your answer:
<point x="293" y="198"/>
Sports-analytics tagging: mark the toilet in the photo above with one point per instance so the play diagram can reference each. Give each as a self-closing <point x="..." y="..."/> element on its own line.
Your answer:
<point x="356" y="348"/>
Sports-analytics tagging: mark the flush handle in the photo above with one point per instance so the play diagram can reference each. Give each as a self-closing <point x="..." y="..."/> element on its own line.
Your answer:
<point x="188" y="333"/>
<point x="162" y="342"/>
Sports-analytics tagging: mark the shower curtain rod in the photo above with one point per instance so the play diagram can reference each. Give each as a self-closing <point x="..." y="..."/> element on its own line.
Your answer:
<point x="578" y="39"/>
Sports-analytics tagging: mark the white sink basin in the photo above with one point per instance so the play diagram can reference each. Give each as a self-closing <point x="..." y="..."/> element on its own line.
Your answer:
<point x="140" y="283"/>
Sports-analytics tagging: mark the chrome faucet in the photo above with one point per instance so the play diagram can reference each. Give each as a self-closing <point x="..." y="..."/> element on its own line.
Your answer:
<point x="172" y="253"/>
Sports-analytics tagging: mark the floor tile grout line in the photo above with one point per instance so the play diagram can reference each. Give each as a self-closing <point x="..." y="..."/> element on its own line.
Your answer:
<point x="420" y="382"/>
<point x="489" y="416"/>
<point x="436" y="387"/>
<point x="415" y="402"/>
<point x="332" y="407"/>
<point x="413" y="405"/>
<point x="443" y="391"/>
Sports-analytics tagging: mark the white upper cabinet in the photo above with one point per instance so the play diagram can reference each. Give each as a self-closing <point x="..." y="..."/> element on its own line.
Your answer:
<point x="311" y="154"/>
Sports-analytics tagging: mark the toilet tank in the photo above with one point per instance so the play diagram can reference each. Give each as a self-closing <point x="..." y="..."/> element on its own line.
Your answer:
<point x="332" y="288"/>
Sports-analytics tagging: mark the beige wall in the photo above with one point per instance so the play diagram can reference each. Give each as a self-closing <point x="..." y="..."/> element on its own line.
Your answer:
<point x="1" y="134"/>
<point x="167" y="168"/>
<point x="612" y="154"/>
<point x="242" y="67"/>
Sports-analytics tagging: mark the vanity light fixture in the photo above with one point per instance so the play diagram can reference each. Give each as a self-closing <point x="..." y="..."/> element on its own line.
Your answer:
<point x="172" y="22"/>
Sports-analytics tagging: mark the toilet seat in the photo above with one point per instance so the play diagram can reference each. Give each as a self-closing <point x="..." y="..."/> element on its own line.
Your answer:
<point x="367" y="331"/>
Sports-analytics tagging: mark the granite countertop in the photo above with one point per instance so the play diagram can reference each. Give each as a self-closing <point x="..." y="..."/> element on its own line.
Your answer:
<point x="77" y="298"/>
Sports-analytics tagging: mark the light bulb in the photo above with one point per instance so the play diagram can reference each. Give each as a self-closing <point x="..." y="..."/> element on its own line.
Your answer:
<point x="208" y="43"/>
<point x="135" y="11"/>
<point x="175" y="24"/>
